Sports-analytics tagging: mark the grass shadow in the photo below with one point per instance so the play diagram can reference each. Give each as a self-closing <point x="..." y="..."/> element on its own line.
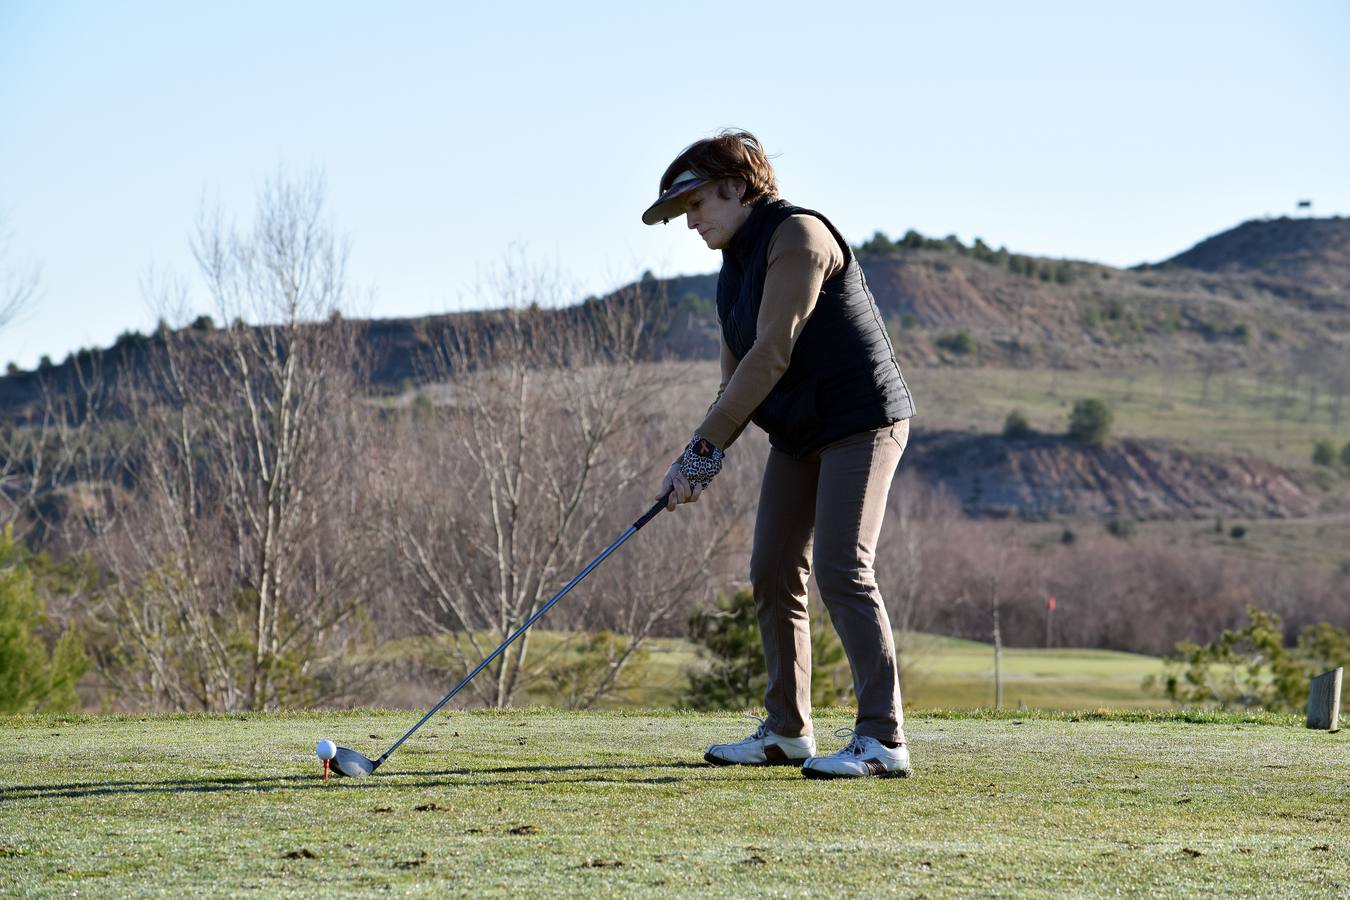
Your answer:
<point x="416" y="779"/>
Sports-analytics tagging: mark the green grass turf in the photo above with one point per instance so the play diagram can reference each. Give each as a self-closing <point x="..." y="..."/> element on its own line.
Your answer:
<point x="541" y="802"/>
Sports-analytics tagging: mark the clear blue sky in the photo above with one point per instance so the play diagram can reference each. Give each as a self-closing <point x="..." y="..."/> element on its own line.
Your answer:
<point x="449" y="132"/>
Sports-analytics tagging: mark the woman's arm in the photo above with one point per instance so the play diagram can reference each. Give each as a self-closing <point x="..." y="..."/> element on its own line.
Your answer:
<point x="728" y="363"/>
<point x="802" y="254"/>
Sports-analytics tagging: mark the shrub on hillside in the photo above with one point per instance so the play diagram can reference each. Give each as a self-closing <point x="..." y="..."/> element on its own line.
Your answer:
<point x="1121" y="528"/>
<point x="912" y="240"/>
<point x="877" y="245"/>
<point x="1090" y="422"/>
<point x="1345" y="454"/>
<point x="1016" y="427"/>
<point x="960" y="343"/>
<point x="128" y="340"/>
<point x="1324" y="453"/>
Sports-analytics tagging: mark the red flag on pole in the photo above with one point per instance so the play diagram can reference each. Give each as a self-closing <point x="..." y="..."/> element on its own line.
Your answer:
<point x="1050" y="604"/>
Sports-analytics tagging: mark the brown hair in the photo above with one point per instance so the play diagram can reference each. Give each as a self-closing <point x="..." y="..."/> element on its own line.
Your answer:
<point x="730" y="153"/>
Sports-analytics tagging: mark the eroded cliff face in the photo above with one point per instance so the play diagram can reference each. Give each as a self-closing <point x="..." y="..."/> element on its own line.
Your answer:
<point x="1045" y="477"/>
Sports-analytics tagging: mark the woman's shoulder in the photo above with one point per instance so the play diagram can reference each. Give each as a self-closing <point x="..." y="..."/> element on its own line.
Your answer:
<point x="804" y="232"/>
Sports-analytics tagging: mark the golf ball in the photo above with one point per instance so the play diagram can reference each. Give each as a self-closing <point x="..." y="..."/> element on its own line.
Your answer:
<point x="326" y="749"/>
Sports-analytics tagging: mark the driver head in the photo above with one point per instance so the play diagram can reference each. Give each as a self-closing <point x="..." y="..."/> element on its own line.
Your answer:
<point x="352" y="764"/>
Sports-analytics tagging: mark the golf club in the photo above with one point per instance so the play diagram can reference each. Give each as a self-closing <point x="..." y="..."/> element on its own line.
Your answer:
<point x="355" y="765"/>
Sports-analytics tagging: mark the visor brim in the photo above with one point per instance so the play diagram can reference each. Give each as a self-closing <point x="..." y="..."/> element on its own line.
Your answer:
<point x="667" y="206"/>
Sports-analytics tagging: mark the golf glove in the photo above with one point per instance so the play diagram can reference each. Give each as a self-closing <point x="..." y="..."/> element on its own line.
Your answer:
<point x="700" y="461"/>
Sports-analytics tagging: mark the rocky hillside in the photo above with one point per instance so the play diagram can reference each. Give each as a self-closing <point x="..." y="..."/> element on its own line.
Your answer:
<point x="1049" y="477"/>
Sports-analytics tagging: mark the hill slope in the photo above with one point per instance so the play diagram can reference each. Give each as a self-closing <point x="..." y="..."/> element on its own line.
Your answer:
<point x="1270" y="296"/>
<point x="1314" y="251"/>
<point x="1250" y="297"/>
<point x="1245" y="297"/>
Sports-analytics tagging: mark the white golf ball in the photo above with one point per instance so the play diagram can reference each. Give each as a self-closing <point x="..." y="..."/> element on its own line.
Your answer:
<point x="326" y="749"/>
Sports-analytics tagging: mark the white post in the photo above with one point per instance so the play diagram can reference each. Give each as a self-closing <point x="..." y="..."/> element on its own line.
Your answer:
<point x="998" y="663"/>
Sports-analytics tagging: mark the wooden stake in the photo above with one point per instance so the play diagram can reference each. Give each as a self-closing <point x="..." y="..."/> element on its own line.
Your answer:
<point x="1324" y="700"/>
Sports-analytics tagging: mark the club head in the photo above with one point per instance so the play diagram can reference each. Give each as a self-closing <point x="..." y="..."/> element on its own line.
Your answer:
<point x="352" y="764"/>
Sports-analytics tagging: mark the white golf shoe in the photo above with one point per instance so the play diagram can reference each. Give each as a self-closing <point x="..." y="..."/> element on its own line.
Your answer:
<point x="763" y="748"/>
<point x="864" y="757"/>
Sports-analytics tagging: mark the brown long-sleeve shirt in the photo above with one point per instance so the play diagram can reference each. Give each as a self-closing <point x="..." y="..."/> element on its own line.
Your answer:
<point x="802" y="255"/>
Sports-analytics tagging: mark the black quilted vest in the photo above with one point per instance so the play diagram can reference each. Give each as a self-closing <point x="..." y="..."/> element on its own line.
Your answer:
<point x="842" y="377"/>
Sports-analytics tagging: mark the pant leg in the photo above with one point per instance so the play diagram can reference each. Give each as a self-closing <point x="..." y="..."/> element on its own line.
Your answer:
<point x="779" y="566"/>
<point x="855" y="478"/>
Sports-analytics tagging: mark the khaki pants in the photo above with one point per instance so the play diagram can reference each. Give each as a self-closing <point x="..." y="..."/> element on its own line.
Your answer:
<point x="839" y="495"/>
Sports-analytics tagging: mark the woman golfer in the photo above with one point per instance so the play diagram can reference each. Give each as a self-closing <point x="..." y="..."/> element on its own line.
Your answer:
<point x="806" y="357"/>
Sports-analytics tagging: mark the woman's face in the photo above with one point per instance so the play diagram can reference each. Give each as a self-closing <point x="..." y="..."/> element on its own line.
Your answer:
<point x="714" y="217"/>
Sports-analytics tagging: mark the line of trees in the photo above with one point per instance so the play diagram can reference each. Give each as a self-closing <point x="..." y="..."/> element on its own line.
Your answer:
<point x="257" y="531"/>
<point x="1059" y="271"/>
<point x="261" y="524"/>
<point x="944" y="573"/>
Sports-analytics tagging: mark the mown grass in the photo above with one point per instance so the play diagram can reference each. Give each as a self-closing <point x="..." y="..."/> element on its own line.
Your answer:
<point x="540" y="802"/>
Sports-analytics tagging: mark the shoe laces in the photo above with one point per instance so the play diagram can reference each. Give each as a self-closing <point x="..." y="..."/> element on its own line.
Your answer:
<point x="760" y="731"/>
<point x="855" y="743"/>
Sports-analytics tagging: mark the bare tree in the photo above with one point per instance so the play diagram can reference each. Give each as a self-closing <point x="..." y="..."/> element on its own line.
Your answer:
<point x="24" y="449"/>
<point x="45" y="446"/>
<point x="18" y="281"/>
<point x="539" y="446"/>
<point x="652" y="588"/>
<point x="235" y="549"/>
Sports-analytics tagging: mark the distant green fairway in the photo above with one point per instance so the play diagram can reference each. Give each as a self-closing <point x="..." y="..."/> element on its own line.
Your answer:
<point x="541" y="802"/>
<point x="949" y="673"/>
<point x="940" y="673"/>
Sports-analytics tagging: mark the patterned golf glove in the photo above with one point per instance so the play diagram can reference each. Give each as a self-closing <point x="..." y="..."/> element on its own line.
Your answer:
<point x="700" y="461"/>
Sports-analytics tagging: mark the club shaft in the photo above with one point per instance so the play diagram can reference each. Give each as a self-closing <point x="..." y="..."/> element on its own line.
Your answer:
<point x="632" y="530"/>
